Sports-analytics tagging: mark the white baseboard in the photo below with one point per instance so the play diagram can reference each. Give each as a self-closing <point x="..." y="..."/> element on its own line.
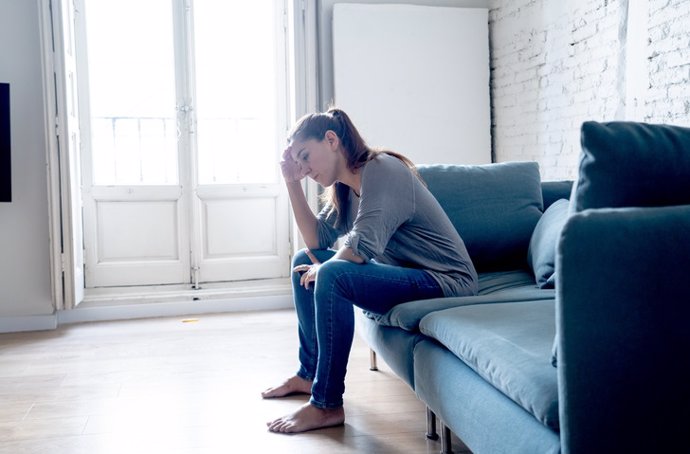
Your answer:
<point x="173" y="309"/>
<point x="143" y="310"/>
<point x="28" y="323"/>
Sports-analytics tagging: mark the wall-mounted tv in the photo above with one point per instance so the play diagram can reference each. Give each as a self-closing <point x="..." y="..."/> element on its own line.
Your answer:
<point x="5" y="161"/>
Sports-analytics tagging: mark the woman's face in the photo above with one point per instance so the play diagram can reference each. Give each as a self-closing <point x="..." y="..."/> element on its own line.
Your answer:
<point x="318" y="159"/>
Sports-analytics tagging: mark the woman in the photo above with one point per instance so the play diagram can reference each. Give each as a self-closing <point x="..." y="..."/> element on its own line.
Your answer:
<point x="399" y="246"/>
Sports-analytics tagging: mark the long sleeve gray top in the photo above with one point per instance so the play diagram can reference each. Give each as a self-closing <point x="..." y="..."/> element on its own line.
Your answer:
<point x="397" y="221"/>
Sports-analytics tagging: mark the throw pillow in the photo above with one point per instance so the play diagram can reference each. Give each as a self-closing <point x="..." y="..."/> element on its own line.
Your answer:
<point x="541" y="254"/>
<point x="625" y="164"/>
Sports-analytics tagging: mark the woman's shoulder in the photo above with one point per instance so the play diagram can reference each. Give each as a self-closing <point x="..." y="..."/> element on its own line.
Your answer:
<point x="386" y="163"/>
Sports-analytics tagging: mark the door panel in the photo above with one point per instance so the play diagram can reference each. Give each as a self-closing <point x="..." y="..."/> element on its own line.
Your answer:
<point x="139" y="236"/>
<point x="241" y="207"/>
<point x="137" y="231"/>
<point x="239" y="235"/>
<point x="244" y="233"/>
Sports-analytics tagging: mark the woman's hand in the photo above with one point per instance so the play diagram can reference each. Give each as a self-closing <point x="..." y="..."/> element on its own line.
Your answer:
<point x="292" y="171"/>
<point x="308" y="271"/>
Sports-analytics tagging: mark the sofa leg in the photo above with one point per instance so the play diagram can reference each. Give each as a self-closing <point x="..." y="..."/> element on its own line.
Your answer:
<point x="372" y="360"/>
<point x="431" y="433"/>
<point x="446" y="443"/>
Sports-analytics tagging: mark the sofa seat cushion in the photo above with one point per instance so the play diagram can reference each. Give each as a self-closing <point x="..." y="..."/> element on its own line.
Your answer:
<point x="507" y="344"/>
<point x="494" y="287"/>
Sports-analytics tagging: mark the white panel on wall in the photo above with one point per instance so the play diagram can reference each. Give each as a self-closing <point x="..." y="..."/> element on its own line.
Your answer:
<point x="137" y="231"/>
<point x="415" y="79"/>
<point x="240" y="234"/>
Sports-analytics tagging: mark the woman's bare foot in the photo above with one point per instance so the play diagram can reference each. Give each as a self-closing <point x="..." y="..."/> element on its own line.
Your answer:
<point x="308" y="417"/>
<point x="293" y="385"/>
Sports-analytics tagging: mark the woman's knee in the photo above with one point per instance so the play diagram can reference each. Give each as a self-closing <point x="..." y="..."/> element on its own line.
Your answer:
<point x="333" y="275"/>
<point x="301" y="258"/>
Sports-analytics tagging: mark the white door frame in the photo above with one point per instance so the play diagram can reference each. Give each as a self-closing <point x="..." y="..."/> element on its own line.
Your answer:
<point x="62" y="134"/>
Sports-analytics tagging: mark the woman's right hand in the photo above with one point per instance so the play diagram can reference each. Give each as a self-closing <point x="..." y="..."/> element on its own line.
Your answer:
<point x="292" y="171"/>
<point x="308" y="272"/>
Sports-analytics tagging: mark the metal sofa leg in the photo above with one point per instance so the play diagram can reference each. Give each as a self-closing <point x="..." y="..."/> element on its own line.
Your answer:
<point x="446" y="443"/>
<point x="372" y="360"/>
<point x="431" y="433"/>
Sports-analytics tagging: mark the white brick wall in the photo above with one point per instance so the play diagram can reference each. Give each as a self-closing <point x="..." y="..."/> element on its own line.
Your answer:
<point x="555" y="64"/>
<point x="668" y="97"/>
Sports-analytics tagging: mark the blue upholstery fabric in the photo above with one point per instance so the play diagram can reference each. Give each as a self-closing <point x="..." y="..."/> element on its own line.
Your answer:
<point x="508" y="345"/>
<point x="482" y="416"/>
<point x="494" y="287"/>
<point x="541" y="254"/>
<point x="555" y="190"/>
<point x="622" y="314"/>
<point x="394" y="345"/>
<point x="494" y="207"/>
<point x="491" y="283"/>
<point x="625" y="164"/>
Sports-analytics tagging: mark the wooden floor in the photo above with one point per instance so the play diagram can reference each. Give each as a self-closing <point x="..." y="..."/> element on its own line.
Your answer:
<point x="176" y="386"/>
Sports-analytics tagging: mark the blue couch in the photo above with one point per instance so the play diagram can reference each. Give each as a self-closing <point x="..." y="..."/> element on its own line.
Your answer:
<point x="578" y="340"/>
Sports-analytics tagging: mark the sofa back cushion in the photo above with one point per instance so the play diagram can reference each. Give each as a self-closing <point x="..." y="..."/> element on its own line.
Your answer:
<point x="627" y="164"/>
<point x="553" y="191"/>
<point x="494" y="208"/>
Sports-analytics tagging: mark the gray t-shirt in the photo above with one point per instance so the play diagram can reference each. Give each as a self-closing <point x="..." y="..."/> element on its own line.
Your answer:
<point x="397" y="221"/>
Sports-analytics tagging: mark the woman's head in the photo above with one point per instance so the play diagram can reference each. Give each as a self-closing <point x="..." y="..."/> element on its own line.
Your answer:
<point x="323" y="138"/>
<point x="315" y="126"/>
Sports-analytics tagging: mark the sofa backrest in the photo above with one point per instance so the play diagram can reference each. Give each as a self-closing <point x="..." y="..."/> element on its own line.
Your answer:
<point x="494" y="208"/>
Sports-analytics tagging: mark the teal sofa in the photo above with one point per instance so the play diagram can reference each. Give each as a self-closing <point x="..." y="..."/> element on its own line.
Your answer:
<point x="578" y="339"/>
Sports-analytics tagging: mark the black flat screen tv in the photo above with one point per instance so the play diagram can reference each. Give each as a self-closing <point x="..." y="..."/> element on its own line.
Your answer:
<point x="5" y="161"/>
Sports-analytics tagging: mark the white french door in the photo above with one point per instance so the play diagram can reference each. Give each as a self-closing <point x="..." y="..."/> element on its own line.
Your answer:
<point x="183" y="108"/>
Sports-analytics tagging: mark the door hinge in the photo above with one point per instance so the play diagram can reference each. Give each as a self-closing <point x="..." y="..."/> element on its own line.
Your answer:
<point x="63" y="261"/>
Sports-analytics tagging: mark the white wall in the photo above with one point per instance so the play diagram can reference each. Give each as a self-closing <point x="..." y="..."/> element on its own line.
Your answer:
<point x="668" y="54"/>
<point x="24" y="246"/>
<point x="415" y="79"/>
<point x="325" y="35"/>
<point x="556" y="64"/>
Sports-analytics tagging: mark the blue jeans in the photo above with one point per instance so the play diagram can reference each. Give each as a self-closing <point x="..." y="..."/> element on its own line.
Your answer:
<point x="325" y="313"/>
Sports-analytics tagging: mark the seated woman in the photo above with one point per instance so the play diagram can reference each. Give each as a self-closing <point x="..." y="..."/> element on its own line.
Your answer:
<point x="399" y="246"/>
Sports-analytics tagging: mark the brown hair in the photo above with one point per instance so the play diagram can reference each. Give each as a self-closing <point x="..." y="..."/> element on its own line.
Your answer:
<point x="357" y="152"/>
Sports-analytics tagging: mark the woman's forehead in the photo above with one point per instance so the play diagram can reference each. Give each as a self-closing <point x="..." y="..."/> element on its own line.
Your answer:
<point x="296" y="146"/>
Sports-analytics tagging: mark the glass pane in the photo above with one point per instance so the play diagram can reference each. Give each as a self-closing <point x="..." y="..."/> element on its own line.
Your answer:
<point x="236" y="91"/>
<point x="131" y="71"/>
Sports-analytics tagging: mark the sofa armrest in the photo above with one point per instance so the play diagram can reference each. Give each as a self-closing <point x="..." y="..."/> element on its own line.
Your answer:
<point x="623" y="324"/>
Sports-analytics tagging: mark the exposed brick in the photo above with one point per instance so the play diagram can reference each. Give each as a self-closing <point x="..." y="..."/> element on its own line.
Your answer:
<point x="557" y="64"/>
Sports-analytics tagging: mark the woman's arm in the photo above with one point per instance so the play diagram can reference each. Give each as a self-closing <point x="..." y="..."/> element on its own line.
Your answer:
<point x="306" y="220"/>
<point x="309" y="271"/>
<point x="346" y="253"/>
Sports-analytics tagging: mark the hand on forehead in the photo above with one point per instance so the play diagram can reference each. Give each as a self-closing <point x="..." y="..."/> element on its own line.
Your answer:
<point x="295" y="147"/>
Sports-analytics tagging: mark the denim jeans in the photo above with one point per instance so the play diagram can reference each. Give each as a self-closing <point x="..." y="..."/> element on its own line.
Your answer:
<point x="325" y="313"/>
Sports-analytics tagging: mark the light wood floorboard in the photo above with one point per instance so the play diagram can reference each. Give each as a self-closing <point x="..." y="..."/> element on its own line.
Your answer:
<point x="175" y="386"/>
